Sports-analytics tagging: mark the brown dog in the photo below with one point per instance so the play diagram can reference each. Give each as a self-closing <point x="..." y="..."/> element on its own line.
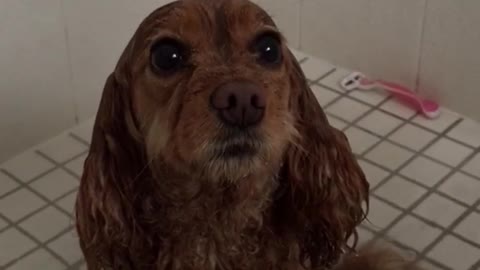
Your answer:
<point x="210" y="151"/>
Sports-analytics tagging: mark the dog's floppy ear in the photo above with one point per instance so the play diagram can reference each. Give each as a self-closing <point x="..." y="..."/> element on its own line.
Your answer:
<point x="103" y="211"/>
<point x="324" y="188"/>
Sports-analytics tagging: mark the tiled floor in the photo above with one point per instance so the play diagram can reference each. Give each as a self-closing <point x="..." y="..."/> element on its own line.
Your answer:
<point x="424" y="175"/>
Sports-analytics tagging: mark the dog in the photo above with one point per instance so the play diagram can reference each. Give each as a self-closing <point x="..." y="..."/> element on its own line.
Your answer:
<point x="210" y="151"/>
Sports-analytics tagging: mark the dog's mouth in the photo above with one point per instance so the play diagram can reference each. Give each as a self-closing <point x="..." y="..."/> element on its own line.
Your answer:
<point x="237" y="145"/>
<point x="237" y="151"/>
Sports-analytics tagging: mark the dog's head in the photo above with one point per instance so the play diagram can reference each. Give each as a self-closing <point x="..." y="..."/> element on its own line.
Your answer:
<point x="210" y="85"/>
<point x="208" y="89"/>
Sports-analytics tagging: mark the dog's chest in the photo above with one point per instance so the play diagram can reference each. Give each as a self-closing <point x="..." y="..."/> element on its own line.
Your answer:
<point x="233" y="252"/>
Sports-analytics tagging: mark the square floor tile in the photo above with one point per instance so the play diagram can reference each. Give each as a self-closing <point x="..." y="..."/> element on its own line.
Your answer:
<point x="62" y="148"/>
<point x="67" y="203"/>
<point x="439" y="124"/>
<point x="19" y="204"/>
<point x="27" y="166"/>
<point x="323" y="95"/>
<point x="400" y="192"/>
<point x="413" y="137"/>
<point x="364" y="236"/>
<point x="462" y="187"/>
<point x="84" y="130"/>
<point x="413" y="233"/>
<point x="76" y="165"/>
<point x="448" y="151"/>
<point x="455" y="253"/>
<point x="359" y="140"/>
<point x="470" y="228"/>
<point x="348" y="109"/>
<point x="46" y="224"/>
<point x="440" y="210"/>
<point x="380" y="214"/>
<point x="379" y="122"/>
<point x="473" y="166"/>
<point x="336" y="123"/>
<point x="373" y="173"/>
<point x="389" y="155"/>
<point x="315" y="68"/>
<point x="39" y="259"/>
<point x="426" y="265"/>
<point x="425" y="171"/>
<point x="13" y="244"/>
<point x="398" y="108"/>
<point x="55" y="184"/>
<point x="7" y="184"/>
<point x="67" y="247"/>
<point x="333" y="80"/>
<point x="468" y="131"/>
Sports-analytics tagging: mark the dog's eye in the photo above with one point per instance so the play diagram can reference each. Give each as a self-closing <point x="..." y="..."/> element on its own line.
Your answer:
<point x="268" y="49"/>
<point x="167" y="55"/>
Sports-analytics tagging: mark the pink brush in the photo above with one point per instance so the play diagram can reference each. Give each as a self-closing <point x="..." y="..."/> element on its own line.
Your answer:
<point x="357" y="80"/>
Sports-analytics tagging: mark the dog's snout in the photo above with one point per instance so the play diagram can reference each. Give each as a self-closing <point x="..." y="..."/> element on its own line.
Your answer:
<point x="239" y="103"/>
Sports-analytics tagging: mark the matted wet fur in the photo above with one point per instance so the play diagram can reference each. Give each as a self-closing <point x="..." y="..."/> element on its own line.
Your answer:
<point x="157" y="192"/>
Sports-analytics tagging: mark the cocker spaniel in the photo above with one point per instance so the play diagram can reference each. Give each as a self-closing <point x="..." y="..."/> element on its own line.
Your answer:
<point x="210" y="151"/>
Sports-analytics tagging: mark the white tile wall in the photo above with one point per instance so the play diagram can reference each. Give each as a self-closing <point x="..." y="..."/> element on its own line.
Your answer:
<point x="450" y="62"/>
<point x="36" y="99"/>
<point x="381" y="37"/>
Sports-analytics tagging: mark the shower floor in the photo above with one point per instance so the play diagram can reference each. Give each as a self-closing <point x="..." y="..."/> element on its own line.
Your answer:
<point x="424" y="176"/>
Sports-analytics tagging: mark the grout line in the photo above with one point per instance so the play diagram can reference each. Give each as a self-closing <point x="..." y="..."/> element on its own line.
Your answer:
<point x="21" y="220"/>
<point x="371" y="108"/>
<point x="61" y="165"/>
<point x="48" y="203"/>
<point x="303" y="60"/>
<point x="342" y="93"/>
<point x="453" y="225"/>
<point x="323" y="76"/>
<point x="385" y="139"/>
<point x="443" y="134"/>
<point x="77" y="265"/>
<point x="41" y="175"/>
<point x="424" y="196"/>
<point x="420" y="153"/>
<point x="425" y="220"/>
<point x="38" y="244"/>
<point x="404" y="247"/>
<point x="421" y="43"/>
<point x="448" y="229"/>
<point x="68" y="50"/>
<point x="80" y="140"/>
<point x="437" y="192"/>
<point x="475" y="266"/>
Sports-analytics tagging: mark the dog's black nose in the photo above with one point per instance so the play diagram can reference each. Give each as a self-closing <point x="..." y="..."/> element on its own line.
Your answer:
<point x="239" y="103"/>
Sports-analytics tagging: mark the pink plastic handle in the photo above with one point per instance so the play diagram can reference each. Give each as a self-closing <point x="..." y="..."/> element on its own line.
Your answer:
<point x="403" y="91"/>
<point x="429" y="108"/>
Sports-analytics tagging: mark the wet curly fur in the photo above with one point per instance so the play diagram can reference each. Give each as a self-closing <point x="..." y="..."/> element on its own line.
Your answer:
<point x="155" y="193"/>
